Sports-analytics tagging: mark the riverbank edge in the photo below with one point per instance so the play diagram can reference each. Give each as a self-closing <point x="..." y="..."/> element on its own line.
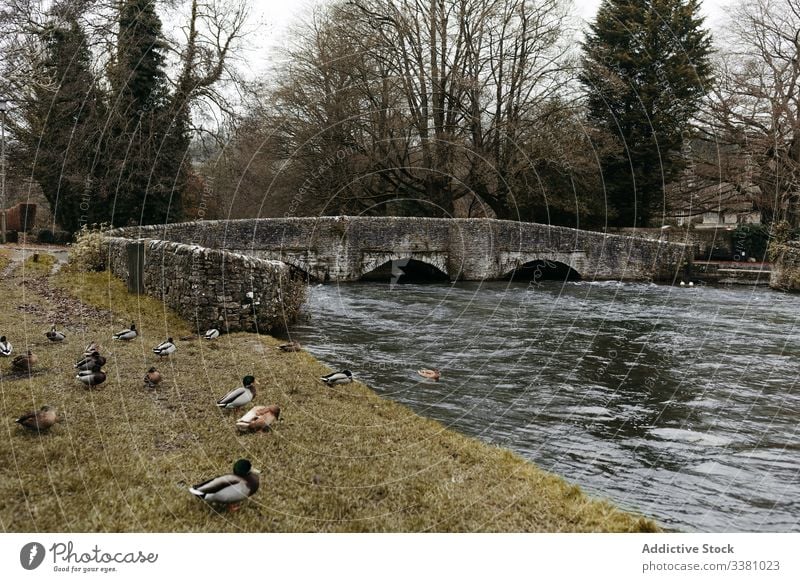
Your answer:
<point x="505" y="491"/>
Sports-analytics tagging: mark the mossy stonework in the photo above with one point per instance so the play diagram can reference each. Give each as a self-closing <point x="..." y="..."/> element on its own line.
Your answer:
<point x="344" y="248"/>
<point x="210" y="287"/>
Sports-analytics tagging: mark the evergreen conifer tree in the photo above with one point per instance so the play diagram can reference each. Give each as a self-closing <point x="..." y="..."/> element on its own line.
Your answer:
<point x="645" y="69"/>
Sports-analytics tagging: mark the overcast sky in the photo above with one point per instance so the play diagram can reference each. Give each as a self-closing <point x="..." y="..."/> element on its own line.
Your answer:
<point x="270" y="20"/>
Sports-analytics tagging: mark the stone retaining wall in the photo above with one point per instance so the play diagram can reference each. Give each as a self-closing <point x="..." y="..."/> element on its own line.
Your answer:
<point x="209" y="286"/>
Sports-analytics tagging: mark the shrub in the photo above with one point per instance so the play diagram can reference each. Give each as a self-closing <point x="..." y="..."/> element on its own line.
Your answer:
<point x="752" y="240"/>
<point x="89" y="252"/>
<point x="46" y="236"/>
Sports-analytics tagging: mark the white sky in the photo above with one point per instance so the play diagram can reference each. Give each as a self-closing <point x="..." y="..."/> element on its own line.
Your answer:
<point x="270" y="20"/>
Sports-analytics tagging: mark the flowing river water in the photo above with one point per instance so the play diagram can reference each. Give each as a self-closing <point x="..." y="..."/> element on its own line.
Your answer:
<point x="678" y="403"/>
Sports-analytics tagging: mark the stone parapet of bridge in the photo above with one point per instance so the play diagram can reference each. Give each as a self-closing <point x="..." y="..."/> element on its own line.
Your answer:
<point x="345" y="248"/>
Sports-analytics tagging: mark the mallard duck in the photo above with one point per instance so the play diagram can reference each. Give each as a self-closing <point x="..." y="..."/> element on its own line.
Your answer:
<point x="91" y="378"/>
<point x="290" y="347"/>
<point x="240" y="396"/>
<point x="126" y="334"/>
<point x="152" y="378"/>
<point x="90" y="349"/>
<point x="39" y="420"/>
<point x="212" y="334"/>
<point x="90" y="361"/>
<point x="430" y="374"/>
<point x="25" y="362"/>
<point x="343" y="377"/>
<point x="55" y="336"/>
<point x="229" y="490"/>
<point x="259" y="418"/>
<point x="5" y="347"/>
<point x="164" y="349"/>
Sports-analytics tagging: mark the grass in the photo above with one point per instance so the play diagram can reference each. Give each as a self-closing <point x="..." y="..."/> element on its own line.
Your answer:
<point x="341" y="459"/>
<point x="38" y="264"/>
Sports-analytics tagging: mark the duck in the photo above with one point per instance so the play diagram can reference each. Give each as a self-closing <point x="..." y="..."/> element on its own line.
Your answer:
<point x="229" y="490"/>
<point x="164" y="349"/>
<point x="152" y="378"/>
<point x="90" y="361"/>
<point x="430" y="374"/>
<point x="38" y="420"/>
<point x="212" y="334"/>
<point x="25" y="362"/>
<point x="55" y="336"/>
<point x="126" y="334"/>
<point x="240" y="396"/>
<point x="5" y="347"/>
<point x="343" y="377"/>
<point x="90" y="349"/>
<point x="691" y="283"/>
<point x="259" y="418"/>
<point x="683" y="284"/>
<point x="91" y="378"/>
<point x="291" y="347"/>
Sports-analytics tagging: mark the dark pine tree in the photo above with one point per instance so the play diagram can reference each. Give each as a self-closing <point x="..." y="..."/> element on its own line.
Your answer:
<point x="62" y="144"/>
<point x="645" y="69"/>
<point x="146" y="174"/>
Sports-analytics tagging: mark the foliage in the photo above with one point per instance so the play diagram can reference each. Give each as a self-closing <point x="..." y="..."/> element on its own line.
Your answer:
<point x="781" y="235"/>
<point x="405" y="107"/>
<point x="46" y="236"/>
<point x="147" y="149"/>
<point x="645" y="70"/>
<point x="63" y="134"/>
<point x="89" y="251"/>
<point x="754" y="113"/>
<point x="751" y="239"/>
<point x="96" y="121"/>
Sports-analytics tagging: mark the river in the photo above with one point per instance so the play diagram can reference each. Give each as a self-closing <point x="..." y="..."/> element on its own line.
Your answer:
<point x="678" y="403"/>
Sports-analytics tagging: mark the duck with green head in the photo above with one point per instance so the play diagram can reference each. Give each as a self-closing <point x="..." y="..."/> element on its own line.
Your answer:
<point x="240" y="396"/>
<point x="229" y="490"/>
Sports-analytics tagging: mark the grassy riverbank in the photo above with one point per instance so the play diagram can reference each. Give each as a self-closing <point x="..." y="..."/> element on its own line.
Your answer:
<point x="342" y="459"/>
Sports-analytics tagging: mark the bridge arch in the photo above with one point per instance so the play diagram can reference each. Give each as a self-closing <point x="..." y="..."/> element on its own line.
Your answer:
<point x="400" y="267"/>
<point x="543" y="270"/>
<point x="543" y="266"/>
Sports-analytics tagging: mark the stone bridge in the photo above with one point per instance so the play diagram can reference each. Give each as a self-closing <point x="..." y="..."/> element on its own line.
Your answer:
<point x="347" y="248"/>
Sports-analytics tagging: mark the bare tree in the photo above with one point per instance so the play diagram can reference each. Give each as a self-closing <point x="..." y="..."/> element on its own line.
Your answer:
<point x="755" y="110"/>
<point x="415" y="103"/>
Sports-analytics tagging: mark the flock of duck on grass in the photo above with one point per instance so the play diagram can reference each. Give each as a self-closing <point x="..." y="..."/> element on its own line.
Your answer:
<point x="227" y="490"/>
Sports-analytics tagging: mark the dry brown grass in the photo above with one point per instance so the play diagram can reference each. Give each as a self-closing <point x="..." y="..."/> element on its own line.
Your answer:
<point x="341" y="459"/>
